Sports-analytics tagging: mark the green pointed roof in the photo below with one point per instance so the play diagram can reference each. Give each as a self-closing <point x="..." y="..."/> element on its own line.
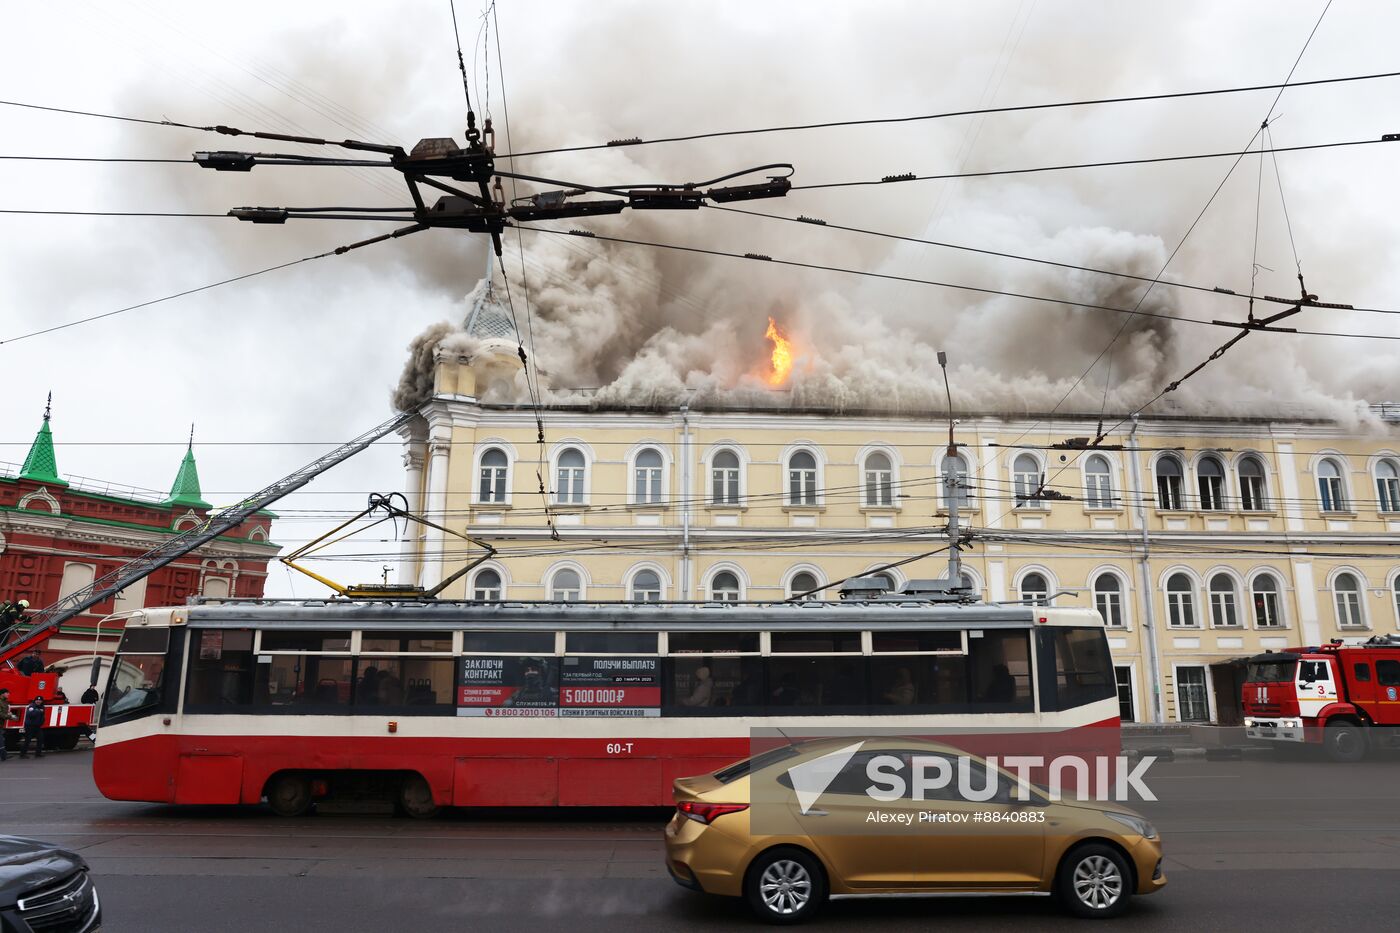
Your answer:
<point x="41" y="465"/>
<point x="185" y="491"/>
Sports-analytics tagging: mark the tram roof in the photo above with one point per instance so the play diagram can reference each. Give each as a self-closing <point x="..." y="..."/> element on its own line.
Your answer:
<point x="508" y="615"/>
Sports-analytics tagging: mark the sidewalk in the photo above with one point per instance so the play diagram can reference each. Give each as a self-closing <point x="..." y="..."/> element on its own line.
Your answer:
<point x="1169" y="741"/>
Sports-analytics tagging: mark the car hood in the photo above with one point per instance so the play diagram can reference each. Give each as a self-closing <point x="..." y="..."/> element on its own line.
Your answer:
<point x="1100" y="806"/>
<point x="26" y="864"/>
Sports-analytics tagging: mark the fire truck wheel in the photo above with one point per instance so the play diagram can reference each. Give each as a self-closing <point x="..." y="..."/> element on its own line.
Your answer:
<point x="289" y="795"/>
<point x="416" y="798"/>
<point x="1344" y="742"/>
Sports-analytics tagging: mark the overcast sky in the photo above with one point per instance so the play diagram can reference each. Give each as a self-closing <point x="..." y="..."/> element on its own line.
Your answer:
<point x="274" y="370"/>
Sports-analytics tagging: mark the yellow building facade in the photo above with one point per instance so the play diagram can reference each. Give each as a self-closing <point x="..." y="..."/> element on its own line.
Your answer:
<point x="1201" y="541"/>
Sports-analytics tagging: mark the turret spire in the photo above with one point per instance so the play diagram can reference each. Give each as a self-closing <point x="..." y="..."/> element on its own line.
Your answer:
<point x="185" y="490"/>
<point x="41" y="465"/>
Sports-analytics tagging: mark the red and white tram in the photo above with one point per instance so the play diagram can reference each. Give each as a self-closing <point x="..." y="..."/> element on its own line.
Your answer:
<point x="580" y="704"/>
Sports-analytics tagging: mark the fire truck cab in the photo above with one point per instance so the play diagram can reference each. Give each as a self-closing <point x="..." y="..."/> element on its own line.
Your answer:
<point x="1344" y="698"/>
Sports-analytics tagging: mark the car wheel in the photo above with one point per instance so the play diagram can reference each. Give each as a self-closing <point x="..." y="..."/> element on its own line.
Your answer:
<point x="416" y="798"/>
<point x="1343" y="742"/>
<point x="785" y="886"/>
<point x="1094" y="881"/>
<point x="289" y="795"/>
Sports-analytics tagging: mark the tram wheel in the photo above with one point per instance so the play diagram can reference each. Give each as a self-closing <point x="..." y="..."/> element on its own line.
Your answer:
<point x="416" y="798"/>
<point x="289" y="795"/>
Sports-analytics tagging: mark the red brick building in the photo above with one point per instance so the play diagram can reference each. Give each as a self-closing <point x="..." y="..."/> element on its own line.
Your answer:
<point x="57" y="535"/>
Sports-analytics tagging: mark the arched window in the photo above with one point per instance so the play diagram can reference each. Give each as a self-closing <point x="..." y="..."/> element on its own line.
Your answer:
<point x="647" y="487"/>
<point x="1098" y="488"/>
<point x="1025" y="471"/>
<point x="1387" y="486"/>
<point x="724" y="587"/>
<point x="1329" y="487"/>
<point x="566" y="587"/>
<point x="571" y="469"/>
<point x="646" y="587"/>
<point x="1035" y="589"/>
<point x="487" y="587"/>
<point x="1210" y="484"/>
<point x="724" y="478"/>
<point x="216" y="587"/>
<point x="803" y="582"/>
<point x="802" y="479"/>
<point x="494" y="465"/>
<point x="1252" y="497"/>
<point x="956" y="468"/>
<point x="1108" y="599"/>
<point x="1181" y="601"/>
<point x="1346" y="594"/>
<point x="1222" y="601"/>
<point x="879" y="480"/>
<point x="1266" y="605"/>
<point x="1169" y="484"/>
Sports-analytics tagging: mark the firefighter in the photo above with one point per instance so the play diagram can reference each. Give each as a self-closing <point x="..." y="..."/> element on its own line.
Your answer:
<point x="31" y="664"/>
<point x="11" y="615"/>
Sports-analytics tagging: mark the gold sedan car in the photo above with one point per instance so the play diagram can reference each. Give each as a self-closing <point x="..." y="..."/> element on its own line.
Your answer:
<point x="796" y="825"/>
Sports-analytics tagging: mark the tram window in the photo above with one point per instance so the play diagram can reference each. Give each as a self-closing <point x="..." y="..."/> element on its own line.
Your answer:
<point x="999" y="668"/>
<point x="305" y="641"/>
<point x="406" y="682"/>
<point x="816" y="682"/>
<point x="716" y="642"/>
<point x="920" y="684"/>
<point x="137" y="683"/>
<point x="909" y="642"/>
<point x="717" y="686"/>
<point x="221" y="671"/>
<point x="305" y="682"/>
<point x="145" y="641"/>
<point x="406" y="642"/>
<point x="610" y="642"/>
<point x="1075" y="667"/>
<point x="534" y="643"/>
<point x="816" y="643"/>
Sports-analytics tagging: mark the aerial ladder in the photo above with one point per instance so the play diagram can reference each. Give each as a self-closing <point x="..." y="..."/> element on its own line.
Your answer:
<point x="46" y="622"/>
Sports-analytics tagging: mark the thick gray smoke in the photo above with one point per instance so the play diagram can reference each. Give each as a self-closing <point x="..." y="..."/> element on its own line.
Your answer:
<point x="623" y="324"/>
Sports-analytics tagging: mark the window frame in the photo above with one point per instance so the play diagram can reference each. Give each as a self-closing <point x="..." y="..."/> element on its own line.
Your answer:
<point x="738" y="589"/>
<point x="1021" y="489"/>
<point x="1205" y="690"/>
<point x="660" y="584"/>
<point x="580" y="589"/>
<point x="1252" y="499"/>
<point x="1049" y="590"/>
<point x="1181" y="603"/>
<point x="1210" y="489"/>
<point x="501" y="588"/>
<point x="1358" y="607"/>
<point x="647" y="489"/>
<point x="1119" y="595"/>
<point x="1170" y="496"/>
<point x="1387" y="487"/>
<point x="1098" y="484"/>
<point x="1229" y="607"/>
<point x="578" y="478"/>
<point x="1277" y="593"/>
<point x="728" y="480"/>
<point x="797" y="480"/>
<point x="493" y="490"/>
<point x="1332" y="490"/>
<point x="877" y="488"/>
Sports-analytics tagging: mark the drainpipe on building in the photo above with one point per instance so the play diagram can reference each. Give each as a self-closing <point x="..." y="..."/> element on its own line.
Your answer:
<point x="1149" y="618"/>
<point x="685" y="503"/>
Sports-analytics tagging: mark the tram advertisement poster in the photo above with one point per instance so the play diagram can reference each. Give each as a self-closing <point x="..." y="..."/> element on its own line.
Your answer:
<point x="610" y="686"/>
<point x="508" y="686"/>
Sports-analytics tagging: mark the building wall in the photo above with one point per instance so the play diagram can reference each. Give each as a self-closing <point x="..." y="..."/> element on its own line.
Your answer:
<point x="766" y="538"/>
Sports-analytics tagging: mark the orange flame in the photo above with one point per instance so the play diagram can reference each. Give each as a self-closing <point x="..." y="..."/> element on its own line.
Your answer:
<point x="781" y="357"/>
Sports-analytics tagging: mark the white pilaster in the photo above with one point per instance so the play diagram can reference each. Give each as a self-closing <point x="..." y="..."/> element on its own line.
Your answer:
<point x="439" y="454"/>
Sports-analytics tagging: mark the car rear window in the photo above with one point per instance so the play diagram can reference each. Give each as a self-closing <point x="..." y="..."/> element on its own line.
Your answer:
<point x="756" y="763"/>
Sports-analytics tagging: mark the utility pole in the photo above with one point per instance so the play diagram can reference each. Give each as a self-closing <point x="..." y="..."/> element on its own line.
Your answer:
<point x="951" y="487"/>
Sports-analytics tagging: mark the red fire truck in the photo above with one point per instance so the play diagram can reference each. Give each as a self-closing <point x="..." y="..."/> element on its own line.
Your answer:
<point x="64" y="723"/>
<point x="1342" y="697"/>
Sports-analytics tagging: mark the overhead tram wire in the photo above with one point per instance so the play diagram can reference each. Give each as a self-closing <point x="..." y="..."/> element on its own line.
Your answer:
<point x="756" y="257"/>
<point x="876" y="121"/>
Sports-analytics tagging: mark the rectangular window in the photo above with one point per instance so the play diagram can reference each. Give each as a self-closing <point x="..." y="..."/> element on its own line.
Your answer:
<point x="1110" y="606"/>
<point x="1252" y="493"/>
<point x="1076" y="668"/>
<point x="145" y="641"/>
<point x="610" y="642"/>
<point x="1212" y="489"/>
<point x="406" y="642"/>
<point x="1388" y="673"/>
<point x="414" y="683"/>
<point x="1127" y="703"/>
<point x="831" y="683"/>
<point x="1388" y="488"/>
<point x="726" y="487"/>
<point x="1169" y="493"/>
<point x="1349" y="609"/>
<point x="1330" y="488"/>
<point x="1192" y="704"/>
<point x="493" y="484"/>
<point x="878" y="491"/>
<point x="147" y="664"/>
<point x="1028" y="487"/>
<point x="1362" y="671"/>
<point x="815" y="642"/>
<point x="1222" y="609"/>
<point x="919" y="683"/>
<point x="714" y="685"/>
<point x="570" y="489"/>
<point x="303" y="682"/>
<point x="1099" y="493"/>
<point x="999" y="671"/>
<point x="1266" y="614"/>
<point x="305" y="641"/>
<point x="917" y="642"/>
<point x="508" y="642"/>
<point x="713" y="643"/>
<point x="221" y="672"/>
<point x="802" y="487"/>
<point x="648" y="486"/>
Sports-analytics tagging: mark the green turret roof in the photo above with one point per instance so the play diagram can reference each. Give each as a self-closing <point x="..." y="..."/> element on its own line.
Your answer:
<point x="41" y="465"/>
<point x="185" y="491"/>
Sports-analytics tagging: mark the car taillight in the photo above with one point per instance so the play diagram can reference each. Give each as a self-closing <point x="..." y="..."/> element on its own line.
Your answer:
<point x="706" y="813"/>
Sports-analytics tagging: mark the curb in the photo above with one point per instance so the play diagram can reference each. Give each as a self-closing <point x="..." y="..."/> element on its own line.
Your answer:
<point x="1198" y="753"/>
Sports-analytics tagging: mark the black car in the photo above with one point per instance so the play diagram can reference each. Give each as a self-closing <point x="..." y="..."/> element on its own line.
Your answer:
<point x="45" y="889"/>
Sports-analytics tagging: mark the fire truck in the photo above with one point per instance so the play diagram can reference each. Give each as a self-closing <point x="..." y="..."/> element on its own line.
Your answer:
<point x="1344" y="698"/>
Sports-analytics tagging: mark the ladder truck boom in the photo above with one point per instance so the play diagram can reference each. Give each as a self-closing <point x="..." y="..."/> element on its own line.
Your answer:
<point x="45" y="622"/>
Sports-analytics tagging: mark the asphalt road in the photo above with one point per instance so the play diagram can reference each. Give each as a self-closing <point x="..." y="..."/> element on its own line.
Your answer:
<point x="1253" y="844"/>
